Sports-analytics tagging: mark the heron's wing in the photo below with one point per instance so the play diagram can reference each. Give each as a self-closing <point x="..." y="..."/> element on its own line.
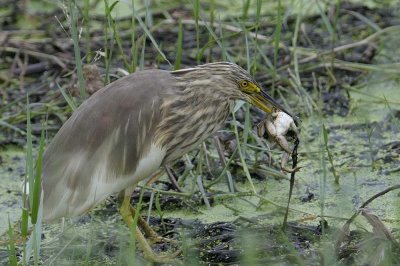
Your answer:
<point x="103" y="146"/>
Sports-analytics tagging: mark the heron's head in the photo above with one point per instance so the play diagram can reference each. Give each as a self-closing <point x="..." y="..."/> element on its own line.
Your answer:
<point x="227" y="80"/>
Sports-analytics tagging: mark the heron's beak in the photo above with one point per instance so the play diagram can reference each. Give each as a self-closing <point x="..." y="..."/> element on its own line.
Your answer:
<point x="265" y="102"/>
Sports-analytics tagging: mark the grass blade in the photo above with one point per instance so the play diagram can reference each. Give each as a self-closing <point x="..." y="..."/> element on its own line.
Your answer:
<point x="258" y="13"/>
<point x="67" y="98"/>
<point x="330" y="158"/>
<point x="38" y="180"/>
<point x="179" y="44"/>
<point x="111" y="22"/>
<point x="364" y="19"/>
<point x="202" y="191"/>
<point x="134" y="51"/>
<point x="24" y="220"/>
<point x="150" y="36"/>
<point x="245" y="9"/>
<point x="12" y="253"/>
<point x="77" y="51"/>
<point x="196" y="7"/>
<point x="87" y="40"/>
<point x="8" y="125"/>
<point x="326" y="20"/>
<point x="242" y="160"/>
<point x="29" y="156"/>
<point x="277" y="35"/>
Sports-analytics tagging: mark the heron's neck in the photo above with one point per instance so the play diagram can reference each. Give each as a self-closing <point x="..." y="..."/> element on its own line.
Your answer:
<point x="190" y="116"/>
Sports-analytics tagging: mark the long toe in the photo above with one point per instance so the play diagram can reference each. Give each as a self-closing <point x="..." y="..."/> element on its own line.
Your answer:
<point x="161" y="239"/>
<point x="165" y="258"/>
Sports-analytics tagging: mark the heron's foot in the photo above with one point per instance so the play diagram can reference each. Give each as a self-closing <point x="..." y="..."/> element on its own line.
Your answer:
<point x="160" y="239"/>
<point x="163" y="259"/>
<point x="128" y="213"/>
<point x="153" y="237"/>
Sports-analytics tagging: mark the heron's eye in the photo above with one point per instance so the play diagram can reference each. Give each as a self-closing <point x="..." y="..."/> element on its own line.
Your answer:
<point x="248" y="87"/>
<point x="244" y="84"/>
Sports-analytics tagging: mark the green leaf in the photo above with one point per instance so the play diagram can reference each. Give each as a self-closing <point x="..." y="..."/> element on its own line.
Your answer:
<point x="112" y="6"/>
<point x="179" y="44"/>
<point x="277" y="35"/>
<point x="12" y="254"/>
<point x="38" y="180"/>
<point x="67" y="98"/>
<point x="153" y="41"/>
<point x="29" y="156"/>
<point x="24" y="222"/>
<point x="325" y="133"/>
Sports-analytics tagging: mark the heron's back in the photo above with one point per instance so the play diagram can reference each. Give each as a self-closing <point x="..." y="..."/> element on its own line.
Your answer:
<point x="100" y="147"/>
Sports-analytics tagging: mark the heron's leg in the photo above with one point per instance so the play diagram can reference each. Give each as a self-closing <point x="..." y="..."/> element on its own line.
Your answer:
<point x="148" y="231"/>
<point x="149" y="254"/>
<point x="154" y="177"/>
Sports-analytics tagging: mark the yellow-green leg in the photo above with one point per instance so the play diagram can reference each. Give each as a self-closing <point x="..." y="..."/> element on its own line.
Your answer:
<point x="127" y="213"/>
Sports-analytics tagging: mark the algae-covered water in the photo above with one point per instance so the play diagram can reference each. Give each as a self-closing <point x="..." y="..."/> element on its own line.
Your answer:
<point x="12" y="171"/>
<point x="361" y="153"/>
<point x="365" y="148"/>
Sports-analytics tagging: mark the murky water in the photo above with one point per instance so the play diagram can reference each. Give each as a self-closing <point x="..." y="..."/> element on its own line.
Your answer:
<point x="12" y="170"/>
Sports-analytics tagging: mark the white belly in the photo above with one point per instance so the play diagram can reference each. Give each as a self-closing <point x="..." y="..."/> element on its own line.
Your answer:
<point x="65" y="202"/>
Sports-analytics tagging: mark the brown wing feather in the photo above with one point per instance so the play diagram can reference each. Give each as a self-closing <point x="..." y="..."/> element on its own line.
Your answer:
<point x="111" y="130"/>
